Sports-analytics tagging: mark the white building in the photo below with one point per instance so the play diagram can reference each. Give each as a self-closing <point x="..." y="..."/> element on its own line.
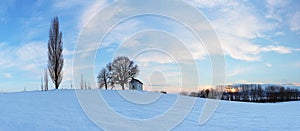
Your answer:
<point x="135" y="84"/>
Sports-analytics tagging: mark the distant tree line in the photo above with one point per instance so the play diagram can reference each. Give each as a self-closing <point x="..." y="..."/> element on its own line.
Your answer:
<point x="249" y="93"/>
<point x="84" y="84"/>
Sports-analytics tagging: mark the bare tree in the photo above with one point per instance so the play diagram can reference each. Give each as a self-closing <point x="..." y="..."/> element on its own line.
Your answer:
<point x="46" y="80"/>
<point x="71" y="85"/>
<point x="55" y="56"/>
<point x="260" y="92"/>
<point x="110" y="79"/>
<point x="85" y="85"/>
<point x="81" y="83"/>
<point x="42" y="83"/>
<point x="123" y="69"/>
<point x="207" y="92"/>
<point x="89" y="85"/>
<point x="103" y="78"/>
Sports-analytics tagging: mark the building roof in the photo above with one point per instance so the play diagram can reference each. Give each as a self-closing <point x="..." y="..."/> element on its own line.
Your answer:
<point x="132" y="80"/>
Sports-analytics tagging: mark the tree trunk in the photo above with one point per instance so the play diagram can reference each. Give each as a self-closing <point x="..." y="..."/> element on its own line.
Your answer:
<point x="123" y="88"/>
<point x="105" y="80"/>
<point x="56" y="86"/>
<point x="105" y="84"/>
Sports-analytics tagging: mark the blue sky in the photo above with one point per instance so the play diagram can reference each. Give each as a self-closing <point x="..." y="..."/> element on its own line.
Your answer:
<point x="260" y="40"/>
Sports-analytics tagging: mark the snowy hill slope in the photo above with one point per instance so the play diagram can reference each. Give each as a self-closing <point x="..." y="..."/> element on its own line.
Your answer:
<point x="60" y="110"/>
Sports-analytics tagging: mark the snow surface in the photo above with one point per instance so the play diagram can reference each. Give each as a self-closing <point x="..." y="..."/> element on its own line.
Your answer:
<point x="60" y="110"/>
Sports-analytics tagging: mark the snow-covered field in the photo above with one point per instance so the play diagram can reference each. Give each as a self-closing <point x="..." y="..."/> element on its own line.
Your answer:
<point x="60" y="110"/>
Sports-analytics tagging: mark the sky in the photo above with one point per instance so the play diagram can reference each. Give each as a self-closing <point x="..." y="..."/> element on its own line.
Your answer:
<point x="259" y="39"/>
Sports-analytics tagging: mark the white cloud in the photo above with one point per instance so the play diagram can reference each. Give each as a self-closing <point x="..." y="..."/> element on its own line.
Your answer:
<point x="276" y="8"/>
<point x="298" y="49"/>
<point x="206" y="3"/>
<point x="197" y="50"/>
<point x="89" y="40"/>
<point x="268" y="65"/>
<point x="280" y="33"/>
<point x="297" y="64"/>
<point x="161" y="47"/>
<point x="68" y="69"/>
<point x="278" y="49"/>
<point x="67" y="4"/>
<point x="237" y="71"/>
<point x="240" y="49"/>
<point x="30" y="67"/>
<point x="122" y="32"/>
<point x="7" y="75"/>
<point x="155" y="57"/>
<point x="278" y="3"/>
<point x="31" y="58"/>
<point x="295" y="22"/>
<point x="31" y="51"/>
<point x="126" y="29"/>
<point x="91" y="11"/>
<point x="6" y="56"/>
<point x="242" y="82"/>
<point x="234" y="17"/>
<point x="238" y="23"/>
<point x="243" y="49"/>
<point x="27" y="57"/>
<point x="164" y="76"/>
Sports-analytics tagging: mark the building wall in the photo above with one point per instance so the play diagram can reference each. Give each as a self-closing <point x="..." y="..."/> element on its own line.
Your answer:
<point x="136" y="85"/>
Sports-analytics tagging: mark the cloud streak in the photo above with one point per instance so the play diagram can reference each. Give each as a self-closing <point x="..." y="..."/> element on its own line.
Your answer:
<point x="7" y="75"/>
<point x="239" y="24"/>
<point x="295" y="22"/>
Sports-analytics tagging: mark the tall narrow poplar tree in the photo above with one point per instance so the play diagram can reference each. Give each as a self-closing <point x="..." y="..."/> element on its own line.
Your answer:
<point x="55" y="56"/>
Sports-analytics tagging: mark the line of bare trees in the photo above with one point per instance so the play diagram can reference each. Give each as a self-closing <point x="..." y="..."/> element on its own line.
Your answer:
<point x="249" y="93"/>
<point x="84" y="84"/>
